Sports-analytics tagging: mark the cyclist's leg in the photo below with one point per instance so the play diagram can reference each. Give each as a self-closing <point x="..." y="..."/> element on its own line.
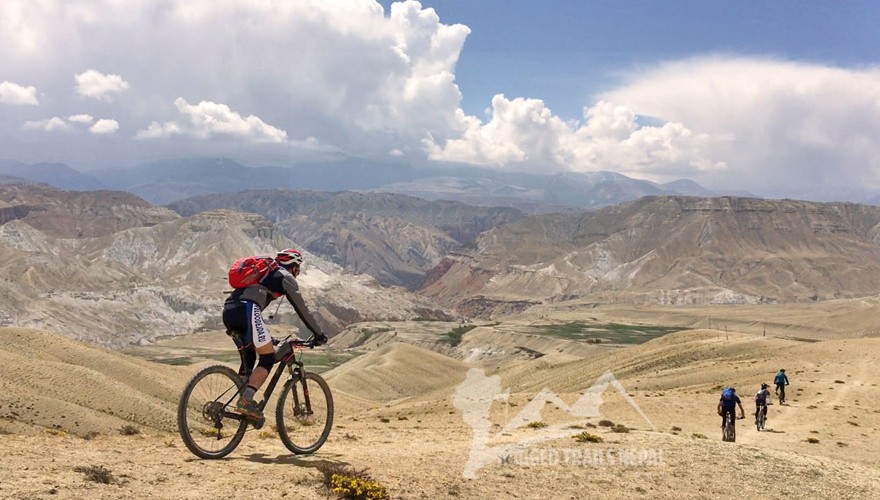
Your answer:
<point x="728" y="415"/>
<point x="236" y="322"/>
<point x="248" y="356"/>
<point x="262" y="342"/>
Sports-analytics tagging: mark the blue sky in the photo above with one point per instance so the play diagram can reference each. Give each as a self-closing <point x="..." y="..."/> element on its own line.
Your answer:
<point x="781" y="99"/>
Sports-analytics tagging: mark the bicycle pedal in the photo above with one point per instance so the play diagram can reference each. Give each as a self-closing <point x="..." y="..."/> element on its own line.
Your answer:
<point x="256" y="423"/>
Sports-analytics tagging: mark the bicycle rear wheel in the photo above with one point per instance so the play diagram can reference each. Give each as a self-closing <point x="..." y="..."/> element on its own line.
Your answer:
<point x="206" y="419"/>
<point x="729" y="433"/>
<point x="304" y="414"/>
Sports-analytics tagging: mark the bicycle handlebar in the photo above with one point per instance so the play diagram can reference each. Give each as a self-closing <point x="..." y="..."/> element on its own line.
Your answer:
<point x="298" y="342"/>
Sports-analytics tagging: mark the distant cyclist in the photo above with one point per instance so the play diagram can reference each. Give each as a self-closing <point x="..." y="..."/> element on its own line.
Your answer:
<point x="781" y="380"/>
<point x="727" y="406"/>
<point x="761" y="398"/>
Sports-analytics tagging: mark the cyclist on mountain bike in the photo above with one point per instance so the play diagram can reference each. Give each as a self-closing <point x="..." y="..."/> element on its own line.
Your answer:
<point x="242" y="316"/>
<point x="781" y="380"/>
<point x="727" y="406"/>
<point x="761" y="398"/>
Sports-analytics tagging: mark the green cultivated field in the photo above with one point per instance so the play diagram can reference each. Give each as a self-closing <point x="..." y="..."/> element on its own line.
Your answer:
<point x="605" y="333"/>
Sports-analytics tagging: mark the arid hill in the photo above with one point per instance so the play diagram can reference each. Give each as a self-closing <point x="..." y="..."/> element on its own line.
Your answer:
<point x="392" y="237"/>
<point x="670" y="250"/>
<point x="418" y="439"/>
<point x="74" y="214"/>
<point x="143" y="283"/>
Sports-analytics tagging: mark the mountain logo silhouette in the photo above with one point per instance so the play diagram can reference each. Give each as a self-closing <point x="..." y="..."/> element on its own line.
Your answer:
<point x="475" y="396"/>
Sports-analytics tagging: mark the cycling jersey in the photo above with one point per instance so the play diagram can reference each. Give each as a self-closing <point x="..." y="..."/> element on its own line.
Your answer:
<point x="780" y="379"/>
<point x="276" y="284"/>
<point x="761" y="397"/>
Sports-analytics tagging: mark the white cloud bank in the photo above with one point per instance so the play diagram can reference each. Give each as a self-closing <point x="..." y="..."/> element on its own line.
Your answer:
<point x="792" y="127"/>
<point x="310" y="76"/>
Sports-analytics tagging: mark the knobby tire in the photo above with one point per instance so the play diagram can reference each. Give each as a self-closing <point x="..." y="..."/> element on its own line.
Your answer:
<point x="205" y="413"/>
<point x="303" y="431"/>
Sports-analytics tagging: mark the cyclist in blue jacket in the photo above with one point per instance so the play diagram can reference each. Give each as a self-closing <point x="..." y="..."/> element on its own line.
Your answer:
<point x="781" y="380"/>
<point x="727" y="406"/>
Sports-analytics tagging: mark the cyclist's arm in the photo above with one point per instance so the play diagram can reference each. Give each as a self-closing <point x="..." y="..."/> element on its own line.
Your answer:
<point x="291" y="290"/>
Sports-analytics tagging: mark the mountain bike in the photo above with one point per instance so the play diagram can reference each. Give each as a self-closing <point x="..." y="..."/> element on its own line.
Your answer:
<point x="780" y="393"/>
<point x="729" y="430"/>
<point x="761" y="417"/>
<point x="211" y="427"/>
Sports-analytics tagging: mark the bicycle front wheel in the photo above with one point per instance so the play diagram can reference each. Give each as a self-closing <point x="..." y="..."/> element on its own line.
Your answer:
<point x="304" y="414"/>
<point x="205" y="417"/>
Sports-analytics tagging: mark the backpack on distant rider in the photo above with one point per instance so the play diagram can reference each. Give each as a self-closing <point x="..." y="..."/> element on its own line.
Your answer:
<point x="248" y="271"/>
<point x="728" y="394"/>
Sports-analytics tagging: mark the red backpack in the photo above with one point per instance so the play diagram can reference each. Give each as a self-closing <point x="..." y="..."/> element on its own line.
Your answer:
<point x="248" y="271"/>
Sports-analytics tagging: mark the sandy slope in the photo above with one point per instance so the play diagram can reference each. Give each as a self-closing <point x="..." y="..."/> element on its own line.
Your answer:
<point x="414" y="439"/>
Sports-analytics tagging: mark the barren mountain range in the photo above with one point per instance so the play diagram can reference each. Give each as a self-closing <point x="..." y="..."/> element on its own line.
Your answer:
<point x="109" y="267"/>
<point x="159" y="275"/>
<point x="655" y="250"/>
<point x="395" y="238"/>
<point x="670" y="250"/>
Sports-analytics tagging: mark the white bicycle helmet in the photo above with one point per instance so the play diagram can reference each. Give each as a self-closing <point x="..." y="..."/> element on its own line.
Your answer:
<point x="289" y="257"/>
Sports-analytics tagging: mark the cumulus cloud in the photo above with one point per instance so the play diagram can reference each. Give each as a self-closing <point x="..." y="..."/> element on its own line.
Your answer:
<point x="83" y="118"/>
<point x="48" y="125"/>
<point x="207" y="119"/>
<point x="95" y="84"/>
<point x="13" y="93"/>
<point x="104" y="126"/>
<point x="524" y="134"/>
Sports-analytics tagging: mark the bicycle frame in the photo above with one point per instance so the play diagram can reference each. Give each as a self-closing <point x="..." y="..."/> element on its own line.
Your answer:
<point x="294" y="366"/>
<point x="289" y="362"/>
